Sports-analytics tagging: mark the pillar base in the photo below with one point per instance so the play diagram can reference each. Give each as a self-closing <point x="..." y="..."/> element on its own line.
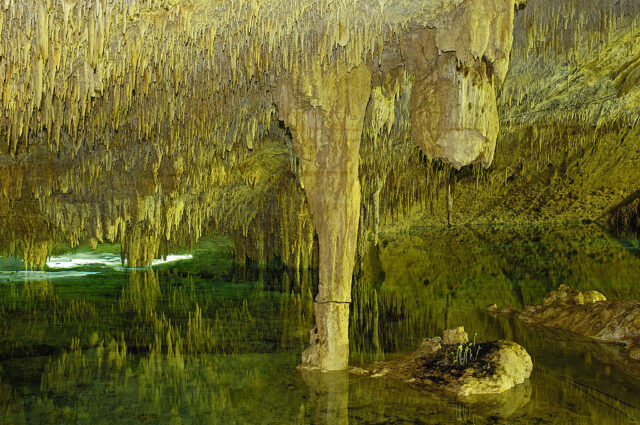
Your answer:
<point x="329" y="339"/>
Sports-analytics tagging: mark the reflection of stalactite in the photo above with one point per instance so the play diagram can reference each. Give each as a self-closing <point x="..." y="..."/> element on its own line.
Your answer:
<point x="625" y="218"/>
<point x="449" y="202"/>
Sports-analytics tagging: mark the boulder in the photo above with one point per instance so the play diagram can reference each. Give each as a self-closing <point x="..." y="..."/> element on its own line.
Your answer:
<point x="457" y="367"/>
<point x="587" y="313"/>
<point x="511" y="366"/>
<point x="569" y="296"/>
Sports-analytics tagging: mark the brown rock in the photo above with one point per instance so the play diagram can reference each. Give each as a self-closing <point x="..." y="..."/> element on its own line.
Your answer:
<point x="566" y="295"/>
<point x="460" y="369"/>
<point x="454" y="115"/>
<point x="455" y="336"/>
<point x="588" y="313"/>
<point x="506" y="310"/>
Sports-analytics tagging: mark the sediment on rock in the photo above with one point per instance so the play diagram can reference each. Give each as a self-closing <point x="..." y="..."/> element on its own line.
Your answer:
<point x="455" y="366"/>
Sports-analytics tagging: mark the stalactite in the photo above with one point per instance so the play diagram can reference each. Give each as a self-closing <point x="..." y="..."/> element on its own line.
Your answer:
<point x="170" y="106"/>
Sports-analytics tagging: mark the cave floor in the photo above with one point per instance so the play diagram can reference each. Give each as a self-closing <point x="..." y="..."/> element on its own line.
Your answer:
<point x="201" y="339"/>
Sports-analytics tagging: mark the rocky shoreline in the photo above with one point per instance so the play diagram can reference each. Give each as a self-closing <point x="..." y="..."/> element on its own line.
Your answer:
<point x="586" y="313"/>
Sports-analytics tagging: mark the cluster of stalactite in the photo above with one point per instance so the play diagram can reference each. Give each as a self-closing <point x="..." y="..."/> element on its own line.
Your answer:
<point x="264" y="209"/>
<point x="572" y="86"/>
<point x="573" y="28"/>
<point x="88" y="73"/>
<point x="152" y="123"/>
<point x="558" y="122"/>
<point x="575" y="59"/>
<point x="25" y="234"/>
<point x="395" y="176"/>
<point x="123" y="120"/>
<point x="153" y="205"/>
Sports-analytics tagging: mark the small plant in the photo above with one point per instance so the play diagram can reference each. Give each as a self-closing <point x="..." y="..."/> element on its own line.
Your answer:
<point x="463" y="354"/>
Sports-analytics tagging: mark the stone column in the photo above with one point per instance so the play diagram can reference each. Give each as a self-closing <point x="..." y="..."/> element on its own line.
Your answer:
<point x="324" y="109"/>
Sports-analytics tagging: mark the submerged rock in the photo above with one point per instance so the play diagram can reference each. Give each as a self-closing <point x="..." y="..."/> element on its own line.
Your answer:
<point x="457" y="367"/>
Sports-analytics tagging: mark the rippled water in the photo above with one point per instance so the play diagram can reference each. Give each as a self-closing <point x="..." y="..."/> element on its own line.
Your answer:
<point x="203" y="340"/>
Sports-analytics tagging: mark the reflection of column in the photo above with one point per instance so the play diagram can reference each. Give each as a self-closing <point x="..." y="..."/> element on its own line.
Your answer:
<point x="330" y="394"/>
<point x="324" y="108"/>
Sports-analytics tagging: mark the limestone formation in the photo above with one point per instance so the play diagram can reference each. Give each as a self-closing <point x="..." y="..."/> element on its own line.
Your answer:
<point x="325" y="111"/>
<point x="457" y="65"/>
<point x="149" y="124"/>
<point x="455" y="336"/>
<point x="96" y="97"/>
<point x="163" y="102"/>
<point x="459" y="369"/>
<point x="589" y="314"/>
<point x="324" y="107"/>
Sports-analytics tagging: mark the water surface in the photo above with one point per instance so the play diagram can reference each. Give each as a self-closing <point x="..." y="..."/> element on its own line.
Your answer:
<point x="204" y="340"/>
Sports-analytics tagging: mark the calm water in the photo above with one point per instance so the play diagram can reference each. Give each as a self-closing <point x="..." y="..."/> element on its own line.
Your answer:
<point x="201" y="340"/>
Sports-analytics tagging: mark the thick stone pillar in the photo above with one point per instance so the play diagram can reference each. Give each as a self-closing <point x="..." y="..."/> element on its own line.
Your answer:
<point x="324" y="109"/>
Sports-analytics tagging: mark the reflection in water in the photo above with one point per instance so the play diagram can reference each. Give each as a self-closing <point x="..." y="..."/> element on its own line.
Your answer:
<point x="330" y="393"/>
<point x="104" y="259"/>
<point x="184" y="343"/>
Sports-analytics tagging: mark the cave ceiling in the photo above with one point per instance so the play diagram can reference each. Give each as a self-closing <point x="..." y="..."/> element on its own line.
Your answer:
<point x="152" y="123"/>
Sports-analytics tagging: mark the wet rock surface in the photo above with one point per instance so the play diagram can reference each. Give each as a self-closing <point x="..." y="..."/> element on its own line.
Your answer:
<point x="588" y="313"/>
<point x="461" y="369"/>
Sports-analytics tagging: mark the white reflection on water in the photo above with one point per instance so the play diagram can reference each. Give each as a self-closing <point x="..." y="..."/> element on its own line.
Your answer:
<point x="70" y="261"/>
<point x="101" y="259"/>
<point x="29" y="275"/>
<point x="172" y="258"/>
<point x="58" y="266"/>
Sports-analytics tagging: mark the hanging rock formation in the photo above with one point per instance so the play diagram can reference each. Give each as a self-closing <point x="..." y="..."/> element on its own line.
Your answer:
<point x="166" y="103"/>
<point x="457" y="65"/>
